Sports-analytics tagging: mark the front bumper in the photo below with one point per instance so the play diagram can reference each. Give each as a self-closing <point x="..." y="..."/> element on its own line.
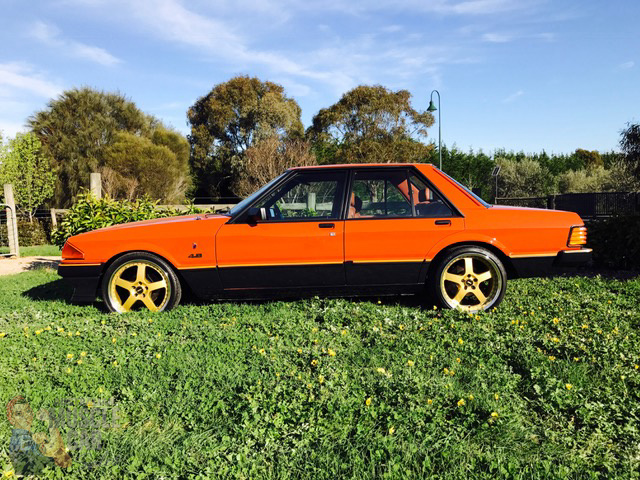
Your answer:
<point x="541" y="266"/>
<point x="85" y="280"/>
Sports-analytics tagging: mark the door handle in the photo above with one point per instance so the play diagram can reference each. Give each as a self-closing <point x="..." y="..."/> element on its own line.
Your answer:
<point x="443" y="222"/>
<point x="326" y="225"/>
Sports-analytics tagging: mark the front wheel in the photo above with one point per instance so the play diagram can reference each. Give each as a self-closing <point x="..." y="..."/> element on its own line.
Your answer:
<point x="140" y="281"/>
<point x="470" y="278"/>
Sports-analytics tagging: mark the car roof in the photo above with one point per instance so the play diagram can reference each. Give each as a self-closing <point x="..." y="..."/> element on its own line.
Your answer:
<point x="362" y="165"/>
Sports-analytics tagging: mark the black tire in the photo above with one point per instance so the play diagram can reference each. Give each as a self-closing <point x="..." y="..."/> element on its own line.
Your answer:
<point x="453" y="285"/>
<point x="124" y="288"/>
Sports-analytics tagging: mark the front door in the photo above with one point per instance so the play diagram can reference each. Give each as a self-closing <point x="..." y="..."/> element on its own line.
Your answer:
<point x="394" y="219"/>
<point x="299" y="244"/>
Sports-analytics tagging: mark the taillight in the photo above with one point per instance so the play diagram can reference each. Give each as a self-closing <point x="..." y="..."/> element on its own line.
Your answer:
<point x="69" y="252"/>
<point x="577" y="237"/>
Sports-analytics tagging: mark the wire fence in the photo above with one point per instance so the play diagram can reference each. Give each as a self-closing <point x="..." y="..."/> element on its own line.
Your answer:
<point x="587" y="205"/>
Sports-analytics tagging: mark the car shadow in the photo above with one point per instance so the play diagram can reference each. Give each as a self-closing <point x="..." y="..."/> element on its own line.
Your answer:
<point x="55" y="290"/>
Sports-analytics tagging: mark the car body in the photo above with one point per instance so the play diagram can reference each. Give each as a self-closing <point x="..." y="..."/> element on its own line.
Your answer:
<point x="347" y="230"/>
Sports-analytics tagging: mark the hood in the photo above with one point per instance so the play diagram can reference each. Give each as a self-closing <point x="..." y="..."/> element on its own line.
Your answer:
<point x="162" y="221"/>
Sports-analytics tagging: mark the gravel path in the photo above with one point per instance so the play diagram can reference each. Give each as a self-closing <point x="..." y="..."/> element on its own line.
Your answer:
<point x="9" y="266"/>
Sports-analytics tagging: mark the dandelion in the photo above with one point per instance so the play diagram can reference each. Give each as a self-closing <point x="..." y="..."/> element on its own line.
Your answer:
<point x="158" y="355"/>
<point x="100" y="390"/>
<point x="299" y="350"/>
<point x="77" y="333"/>
<point x="2" y="334"/>
<point x="69" y="356"/>
<point x="429" y="402"/>
<point x="585" y="326"/>
<point x="496" y="396"/>
<point x="79" y="362"/>
<point x="83" y="354"/>
<point x="461" y="402"/>
<point x="576" y="359"/>
<point x="331" y="353"/>
<point x="367" y="402"/>
<point x="262" y="351"/>
<point x="315" y="341"/>
<point x="68" y="370"/>
<point x="89" y="404"/>
<point x="113" y="340"/>
<point x="150" y="320"/>
<point x="435" y="307"/>
<point x="471" y="397"/>
<point x="401" y="327"/>
<point x="103" y="322"/>
<point x="494" y="414"/>
<point x="452" y="373"/>
<point x="38" y="332"/>
<point x="568" y="386"/>
<point x="344" y="332"/>
<point x="552" y="358"/>
<point x="60" y="329"/>
<point x="309" y="386"/>
<point x="410" y="363"/>
<point x="8" y="474"/>
<point x="446" y="371"/>
<point x="460" y="341"/>
<point x="321" y="379"/>
<point x="314" y="363"/>
<point x="555" y="339"/>
<point x="47" y="328"/>
<point x="35" y="359"/>
<point x="556" y="320"/>
<point x="392" y="430"/>
<point x="134" y="334"/>
<point x="115" y="363"/>
<point x="381" y="370"/>
<point x="636" y="367"/>
<point x="314" y="330"/>
<point x="458" y="360"/>
<point x="70" y="334"/>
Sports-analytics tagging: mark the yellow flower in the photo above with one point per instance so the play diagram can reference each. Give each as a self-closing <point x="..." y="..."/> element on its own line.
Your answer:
<point x="343" y="332"/>
<point x="392" y="430"/>
<point x="494" y="414"/>
<point x="314" y="330"/>
<point x="113" y="340"/>
<point x="2" y="334"/>
<point x="47" y="328"/>
<point x="568" y="386"/>
<point x="452" y="373"/>
<point x="429" y="402"/>
<point x="79" y="362"/>
<point x="134" y="334"/>
<point x="100" y="389"/>
<point x="381" y="370"/>
<point x="458" y="360"/>
<point x="555" y="339"/>
<point x="68" y="370"/>
<point x="315" y="341"/>
<point x="331" y="353"/>
<point x="60" y="329"/>
<point x="411" y="363"/>
<point x="299" y="350"/>
<point x="552" y="358"/>
<point x="576" y="359"/>
<point x="158" y="355"/>
<point x="367" y="402"/>
<point x="69" y="356"/>
<point x="158" y="335"/>
<point x="585" y="326"/>
<point x="401" y="327"/>
<point x="8" y="473"/>
<point x="321" y="379"/>
<point x="496" y="396"/>
<point x="77" y="333"/>
<point x="461" y="402"/>
<point x="70" y="334"/>
<point x="471" y="397"/>
<point x="556" y="320"/>
<point x="151" y="320"/>
<point x="35" y="359"/>
<point x="38" y="332"/>
<point x="446" y="371"/>
<point x="636" y="367"/>
<point x="83" y="354"/>
<point x="89" y="404"/>
<point x="460" y="341"/>
<point x="262" y="351"/>
<point x="309" y="386"/>
<point x="115" y="363"/>
<point x="314" y="363"/>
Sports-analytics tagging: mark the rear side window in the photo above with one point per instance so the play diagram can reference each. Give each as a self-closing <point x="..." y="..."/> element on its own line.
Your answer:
<point x="427" y="202"/>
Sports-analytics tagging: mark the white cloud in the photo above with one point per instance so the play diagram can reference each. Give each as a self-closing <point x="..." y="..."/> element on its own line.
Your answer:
<point x="627" y="65"/>
<point x="513" y="96"/>
<point x="22" y="77"/>
<point x="50" y="35"/>
<point x="497" y="37"/>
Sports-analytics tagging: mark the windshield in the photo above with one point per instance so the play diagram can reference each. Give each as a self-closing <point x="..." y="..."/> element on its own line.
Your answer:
<point x="240" y="206"/>
<point x="469" y="192"/>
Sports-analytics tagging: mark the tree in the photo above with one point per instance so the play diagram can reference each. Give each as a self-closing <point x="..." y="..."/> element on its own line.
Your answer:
<point x="267" y="159"/>
<point x="230" y="119"/>
<point x="28" y="169"/>
<point x="160" y="169"/>
<point x="589" y="159"/>
<point x="371" y="124"/>
<point x="630" y="144"/>
<point x="525" y="178"/>
<point x="75" y="129"/>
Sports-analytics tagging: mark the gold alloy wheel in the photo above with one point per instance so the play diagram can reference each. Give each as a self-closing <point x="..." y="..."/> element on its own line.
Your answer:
<point x="471" y="282"/>
<point x="139" y="283"/>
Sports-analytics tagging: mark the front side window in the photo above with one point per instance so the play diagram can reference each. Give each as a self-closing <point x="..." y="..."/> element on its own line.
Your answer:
<point x="378" y="194"/>
<point x="309" y="195"/>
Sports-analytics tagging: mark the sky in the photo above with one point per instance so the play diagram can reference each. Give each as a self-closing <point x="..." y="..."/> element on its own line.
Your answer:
<point x="524" y="75"/>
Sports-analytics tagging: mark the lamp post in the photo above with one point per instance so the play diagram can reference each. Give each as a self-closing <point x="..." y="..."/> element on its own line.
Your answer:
<point x="432" y="108"/>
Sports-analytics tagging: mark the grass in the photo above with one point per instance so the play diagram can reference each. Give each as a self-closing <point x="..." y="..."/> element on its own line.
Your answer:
<point x="36" y="251"/>
<point x="547" y="386"/>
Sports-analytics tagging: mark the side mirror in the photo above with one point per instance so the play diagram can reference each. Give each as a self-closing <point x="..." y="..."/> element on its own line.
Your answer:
<point x="254" y="215"/>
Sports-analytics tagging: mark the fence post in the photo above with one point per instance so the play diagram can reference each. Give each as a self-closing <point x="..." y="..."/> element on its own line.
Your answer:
<point x="551" y="202"/>
<point x="12" y="221"/>
<point x="96" y="185"/>
<point x="54" y="220"/>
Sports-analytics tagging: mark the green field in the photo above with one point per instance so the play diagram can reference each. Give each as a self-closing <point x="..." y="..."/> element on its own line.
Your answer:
<point x="36" y="251"/>
<point x="547" y="386"/>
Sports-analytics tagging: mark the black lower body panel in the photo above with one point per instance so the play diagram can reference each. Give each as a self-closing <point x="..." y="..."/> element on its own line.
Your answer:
<point x="526" y="267"/>
<point x="85" y="280"/>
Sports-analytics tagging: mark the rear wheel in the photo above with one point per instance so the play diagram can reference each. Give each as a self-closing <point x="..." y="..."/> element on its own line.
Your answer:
<point x="470" y="279"/>
<point x="140" y="281"/>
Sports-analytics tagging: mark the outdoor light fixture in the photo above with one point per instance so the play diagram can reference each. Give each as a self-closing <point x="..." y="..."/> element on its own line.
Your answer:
<point x="432" y="108"/>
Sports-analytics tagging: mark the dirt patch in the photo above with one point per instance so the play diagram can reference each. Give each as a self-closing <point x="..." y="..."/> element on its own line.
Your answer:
<point x="9" y="266"/>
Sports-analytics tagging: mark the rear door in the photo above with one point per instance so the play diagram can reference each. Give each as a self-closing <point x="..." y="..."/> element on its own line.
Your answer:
<point x="394" y="217"/>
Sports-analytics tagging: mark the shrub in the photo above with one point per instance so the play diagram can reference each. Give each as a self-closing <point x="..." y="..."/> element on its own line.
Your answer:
<point x="89" y="213"/>
<point x="31" y="233"/>
<point x="615" y="242"/>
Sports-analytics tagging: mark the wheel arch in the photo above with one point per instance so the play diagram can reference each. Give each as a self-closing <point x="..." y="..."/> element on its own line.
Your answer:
<point x="503" y="257"/>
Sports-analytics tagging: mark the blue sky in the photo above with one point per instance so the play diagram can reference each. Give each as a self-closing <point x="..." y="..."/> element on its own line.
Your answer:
<point x="520" y="74"/>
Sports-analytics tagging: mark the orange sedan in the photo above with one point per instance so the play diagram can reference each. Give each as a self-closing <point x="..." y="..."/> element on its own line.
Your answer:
<point x="333" y="230"/>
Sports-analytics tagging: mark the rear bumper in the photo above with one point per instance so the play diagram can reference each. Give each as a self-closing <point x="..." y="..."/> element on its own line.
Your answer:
<point x="85" y="280"/>
<point x="541" y="266"/>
